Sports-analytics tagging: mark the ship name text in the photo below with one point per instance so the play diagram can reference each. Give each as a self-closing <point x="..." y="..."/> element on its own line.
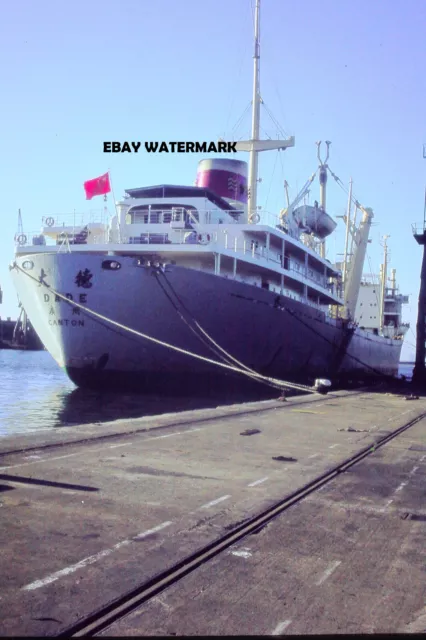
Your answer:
<point x="65" y="323"/>
<point x="82" y="297"/>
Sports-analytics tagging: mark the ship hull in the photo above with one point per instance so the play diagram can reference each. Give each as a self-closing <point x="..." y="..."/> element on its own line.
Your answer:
<point x="273" y="335"/>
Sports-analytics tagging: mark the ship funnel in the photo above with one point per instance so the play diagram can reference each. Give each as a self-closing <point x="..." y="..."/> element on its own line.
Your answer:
<point x="226" y="178"/>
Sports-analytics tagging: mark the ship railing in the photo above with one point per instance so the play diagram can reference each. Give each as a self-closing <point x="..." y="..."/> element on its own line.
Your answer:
<point x="32" y="238"/>
<point x="220" y="238"/>
<point x="316" y="305"/>
<point x="253" y="249"/>
<point x="76" y="219"/>
<point x="212" y="239"/>
<point x="418" y="228"/>
<point x="37" y="239"/>
<point x="182" y="215"/>
<point x="82" y="238"/>
<point x="270" y="219"/>
<point x="191" y="216"/>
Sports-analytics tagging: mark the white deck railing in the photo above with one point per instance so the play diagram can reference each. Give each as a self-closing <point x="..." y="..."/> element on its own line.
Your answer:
<point x="76" y="219"/>
<point x="213" y="236"/>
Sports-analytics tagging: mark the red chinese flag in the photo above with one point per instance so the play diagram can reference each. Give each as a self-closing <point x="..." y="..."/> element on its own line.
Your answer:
<point x="97" y="186"/>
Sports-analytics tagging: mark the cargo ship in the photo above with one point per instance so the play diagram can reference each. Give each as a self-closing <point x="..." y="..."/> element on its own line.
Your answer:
<point x="181" y="280"/>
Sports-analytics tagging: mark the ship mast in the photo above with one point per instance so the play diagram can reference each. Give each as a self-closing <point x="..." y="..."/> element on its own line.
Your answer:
<point x="323" y="184"/>
<point x="255" y="116"/>
<point x="254" y="145"/>
<point x="384" y="277"/>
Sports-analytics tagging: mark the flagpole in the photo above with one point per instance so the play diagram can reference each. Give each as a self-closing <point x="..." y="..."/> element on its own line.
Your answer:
<point x="115" y="204"/>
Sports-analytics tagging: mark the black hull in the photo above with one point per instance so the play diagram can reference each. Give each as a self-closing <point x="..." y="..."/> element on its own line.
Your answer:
<point x="274" y="335"/>
<point x="209" y="385"/>
<point x="224" y="386"/>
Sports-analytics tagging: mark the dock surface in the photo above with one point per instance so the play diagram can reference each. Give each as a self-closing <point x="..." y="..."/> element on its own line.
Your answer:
<point x="91" y="513"/>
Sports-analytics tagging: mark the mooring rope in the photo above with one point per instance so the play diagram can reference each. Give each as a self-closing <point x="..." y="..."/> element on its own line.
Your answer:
<point x="252" y="374"/>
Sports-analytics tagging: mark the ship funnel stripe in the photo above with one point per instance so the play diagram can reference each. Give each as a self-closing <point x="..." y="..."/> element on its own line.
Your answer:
<point x="231" y="186"/>
<point x="225" y="177"/>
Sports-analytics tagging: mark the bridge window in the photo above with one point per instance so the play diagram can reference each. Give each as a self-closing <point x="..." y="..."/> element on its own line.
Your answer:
<point x="162" y="213"/>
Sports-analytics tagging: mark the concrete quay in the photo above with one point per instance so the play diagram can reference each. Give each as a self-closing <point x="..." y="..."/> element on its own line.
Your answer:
<point x="91" y="512"/>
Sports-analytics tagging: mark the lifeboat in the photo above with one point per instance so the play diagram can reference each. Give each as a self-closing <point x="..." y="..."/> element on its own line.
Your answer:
<point x="314" y="220"/>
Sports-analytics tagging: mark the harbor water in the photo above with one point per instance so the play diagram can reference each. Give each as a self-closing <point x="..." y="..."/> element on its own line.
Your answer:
<point x="35" y="394"/>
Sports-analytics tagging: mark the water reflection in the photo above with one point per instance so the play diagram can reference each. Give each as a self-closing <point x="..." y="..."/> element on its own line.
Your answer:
<point x="81" y="406"/>
<point x="35" y="395"/>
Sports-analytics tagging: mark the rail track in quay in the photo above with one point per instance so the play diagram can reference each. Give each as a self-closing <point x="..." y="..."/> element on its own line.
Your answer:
<point x="103" y="617"/>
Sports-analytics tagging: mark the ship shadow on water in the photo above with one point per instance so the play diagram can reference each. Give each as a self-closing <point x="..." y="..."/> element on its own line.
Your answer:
<point x="84" y="406"/>
<point x="89" y="406"/>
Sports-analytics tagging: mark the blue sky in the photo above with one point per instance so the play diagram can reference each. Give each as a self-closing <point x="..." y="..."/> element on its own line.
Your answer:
<point x="76" y="74"/>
